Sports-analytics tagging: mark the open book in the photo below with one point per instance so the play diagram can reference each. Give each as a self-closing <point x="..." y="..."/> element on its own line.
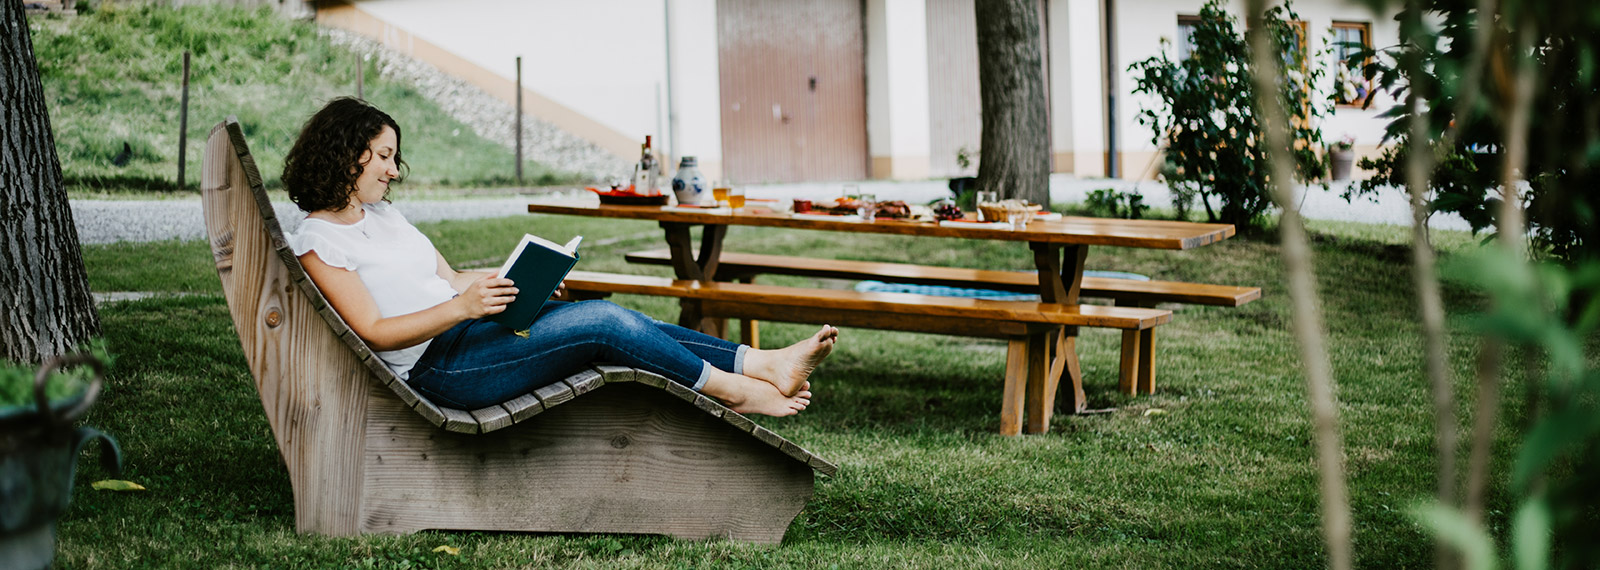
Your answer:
<point x="537" y="266"/>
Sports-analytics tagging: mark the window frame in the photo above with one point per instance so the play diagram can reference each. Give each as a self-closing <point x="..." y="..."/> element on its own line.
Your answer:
<point x="1365" y="29"/>
<point x="1191" y="20"/>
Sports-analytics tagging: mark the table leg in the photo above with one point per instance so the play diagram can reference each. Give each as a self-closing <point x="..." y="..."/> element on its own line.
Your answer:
<point x="1060" y="280"/>
<point x="702" y="267"/>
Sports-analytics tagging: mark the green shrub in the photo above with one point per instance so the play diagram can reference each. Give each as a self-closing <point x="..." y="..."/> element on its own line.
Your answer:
<point x="16" y="380"/>
<point x="1207" y="121"/>
<point x="1113" y="203"/>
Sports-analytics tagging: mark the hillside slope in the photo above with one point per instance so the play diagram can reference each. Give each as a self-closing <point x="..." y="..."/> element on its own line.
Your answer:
<point x="113" y="78"/>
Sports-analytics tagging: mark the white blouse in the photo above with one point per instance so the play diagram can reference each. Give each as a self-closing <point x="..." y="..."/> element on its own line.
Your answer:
<point x="395" y="261"/>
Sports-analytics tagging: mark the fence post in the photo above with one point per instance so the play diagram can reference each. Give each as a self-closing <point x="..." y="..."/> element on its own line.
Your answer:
<point x="519" y="120"/>
<point x="361" y="76"/>
<point x="183" y="121"/>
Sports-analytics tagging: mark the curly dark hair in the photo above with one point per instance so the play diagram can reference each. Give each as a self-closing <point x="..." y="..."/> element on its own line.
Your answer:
<point x="321" y="169"/>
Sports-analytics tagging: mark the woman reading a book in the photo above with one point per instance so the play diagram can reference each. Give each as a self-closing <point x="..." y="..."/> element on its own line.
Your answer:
<point x="426" y="320"/>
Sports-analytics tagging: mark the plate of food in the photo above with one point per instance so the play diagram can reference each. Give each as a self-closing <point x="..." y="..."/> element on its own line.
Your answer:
<point x="627" y="196"/>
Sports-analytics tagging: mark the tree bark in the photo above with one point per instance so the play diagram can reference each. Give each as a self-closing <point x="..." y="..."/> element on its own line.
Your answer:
<point x="45" y="306"/>
<point x="1015" y="158"/>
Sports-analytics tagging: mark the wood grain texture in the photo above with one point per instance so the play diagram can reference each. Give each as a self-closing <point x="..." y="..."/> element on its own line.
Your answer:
<point x="1014" y="392"/>
<point x="1041" y="398"/>
<point x="749" y="265"/>
<point x="1151" y="234"/>
<point x="621" y="459"/>
<point x="1128" y="367"/>
<point x="312" y="387"/>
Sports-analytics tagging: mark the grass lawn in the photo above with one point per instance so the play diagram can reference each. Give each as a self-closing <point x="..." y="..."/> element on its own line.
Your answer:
<point x="1225" y="478"/>
<point x="114" y="76"/>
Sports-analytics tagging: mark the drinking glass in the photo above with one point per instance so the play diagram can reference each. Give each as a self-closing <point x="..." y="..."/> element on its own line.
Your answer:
<point x="982" y="198"/>
<point x="719" y="191"/>
<point x="867" y="207"/>
<point x="735" y="197"/>
<point x="1016" y="220"/>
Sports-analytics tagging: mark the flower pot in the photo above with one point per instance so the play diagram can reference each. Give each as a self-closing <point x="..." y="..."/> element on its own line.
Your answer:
<point x="38" y="457"/>
<point x="1340" y="162"/>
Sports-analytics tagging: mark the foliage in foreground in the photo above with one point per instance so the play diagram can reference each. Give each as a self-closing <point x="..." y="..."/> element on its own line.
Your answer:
<point x="1223" y="478"/>
<point x="1560" y="41"/>
<point x="1206" y="118"/>
<point x="114" y="78"/>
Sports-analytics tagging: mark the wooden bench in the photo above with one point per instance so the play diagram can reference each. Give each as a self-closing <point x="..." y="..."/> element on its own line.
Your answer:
<point x="609" y="449"/>
<point x="1035" y="331"/>
<point x="744" y="267"/>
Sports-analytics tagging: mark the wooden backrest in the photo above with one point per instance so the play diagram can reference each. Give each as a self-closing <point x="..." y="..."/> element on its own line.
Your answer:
<point x="284" y="322"/>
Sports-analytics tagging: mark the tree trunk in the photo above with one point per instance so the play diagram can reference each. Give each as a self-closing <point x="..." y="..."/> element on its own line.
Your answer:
<point x="1015" y="158"/>
<point x="45" y="306"/>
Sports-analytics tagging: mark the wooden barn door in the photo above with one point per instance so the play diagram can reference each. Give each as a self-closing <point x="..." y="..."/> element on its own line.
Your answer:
<point x="793" y="92"/>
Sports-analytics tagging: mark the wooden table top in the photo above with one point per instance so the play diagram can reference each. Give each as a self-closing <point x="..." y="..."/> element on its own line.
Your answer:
<point x="1150" y="234"/>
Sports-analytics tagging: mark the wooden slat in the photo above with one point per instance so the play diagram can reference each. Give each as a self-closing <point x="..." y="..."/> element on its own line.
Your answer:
<point x="584" y="381"/>
<point x="651" y="379"/>
<point x="751" y="264"/>
<point x="554" y="395"/>
<point x="615" y="373"/>
<point x="1151" y="234"/>
<point x="459" y="421"/>
<point x="524" y="407"/>
<point x="491" y="418"/>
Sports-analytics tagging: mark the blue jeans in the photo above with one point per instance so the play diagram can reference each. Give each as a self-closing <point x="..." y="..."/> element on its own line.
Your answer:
<point x="480" y="363"/>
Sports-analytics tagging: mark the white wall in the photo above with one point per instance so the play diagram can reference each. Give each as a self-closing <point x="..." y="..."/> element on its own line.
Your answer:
<point x="897" y="88"/>
<point x="1077" y="106"/>
<point x="696" y="94"/>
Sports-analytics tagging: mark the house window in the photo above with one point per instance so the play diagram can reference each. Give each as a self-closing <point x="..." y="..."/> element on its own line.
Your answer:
<point x="1186" y="27"/>
<point x="1350" y="38"/>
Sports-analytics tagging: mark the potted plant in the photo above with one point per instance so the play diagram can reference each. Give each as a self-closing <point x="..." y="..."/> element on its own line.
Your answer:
<point x="1341" y="155"/>
<point x="960" y="186"/>
<point x="39" y="449"/>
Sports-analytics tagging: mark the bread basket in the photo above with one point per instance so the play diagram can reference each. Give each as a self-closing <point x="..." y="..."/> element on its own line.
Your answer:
<point x="1004" y="210"/>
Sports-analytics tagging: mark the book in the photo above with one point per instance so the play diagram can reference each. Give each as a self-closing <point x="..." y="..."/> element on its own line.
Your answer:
<point x="537" y="266"/>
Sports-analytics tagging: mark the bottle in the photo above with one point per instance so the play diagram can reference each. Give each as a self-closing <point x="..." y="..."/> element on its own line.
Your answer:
<point x="641" y="172"/>
<point x="688" y="185"/>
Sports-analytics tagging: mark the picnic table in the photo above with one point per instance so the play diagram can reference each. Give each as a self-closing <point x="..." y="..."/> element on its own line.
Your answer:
<point x="1059" y="248"/>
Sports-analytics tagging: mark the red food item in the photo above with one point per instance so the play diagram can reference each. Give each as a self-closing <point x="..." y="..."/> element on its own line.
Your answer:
<point x="629" y="191"/>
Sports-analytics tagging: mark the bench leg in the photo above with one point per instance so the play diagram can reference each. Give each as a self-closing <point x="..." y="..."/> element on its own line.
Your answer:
<point x="1011" y="395"/>
<point x="750" y="329"/>
<point x="1129" y="374"/>
<point x="1138" y="374"/>
<point x="1147" y="360"/>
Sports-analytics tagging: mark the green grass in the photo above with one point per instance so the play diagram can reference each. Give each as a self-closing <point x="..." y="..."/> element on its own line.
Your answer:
<point x="115" y="76"/>
<point x="1224" y="479"/>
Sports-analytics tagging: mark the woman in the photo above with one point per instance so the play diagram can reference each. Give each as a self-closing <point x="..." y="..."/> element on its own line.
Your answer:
<point x="425" y="319"/>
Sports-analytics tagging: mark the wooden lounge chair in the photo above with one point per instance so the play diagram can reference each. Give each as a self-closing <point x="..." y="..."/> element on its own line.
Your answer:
<point x="611" y="449"/>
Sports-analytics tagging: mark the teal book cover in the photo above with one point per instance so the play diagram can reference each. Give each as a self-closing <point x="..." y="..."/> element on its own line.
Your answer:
<point x="537" y="266"/>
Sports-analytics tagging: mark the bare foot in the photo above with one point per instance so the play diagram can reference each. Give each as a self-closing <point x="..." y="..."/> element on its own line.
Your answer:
<point x="788" y="368"/>
<point x="748" y="395"/>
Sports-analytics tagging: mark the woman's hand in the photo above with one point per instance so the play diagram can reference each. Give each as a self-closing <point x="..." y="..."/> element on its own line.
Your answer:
<point x="486" y="296"/>
<point x="561" y="291"/>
